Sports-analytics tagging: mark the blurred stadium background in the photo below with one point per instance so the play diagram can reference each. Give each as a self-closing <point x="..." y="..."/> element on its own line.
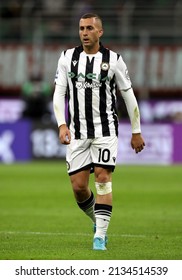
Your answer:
<point x="33" y="33"/>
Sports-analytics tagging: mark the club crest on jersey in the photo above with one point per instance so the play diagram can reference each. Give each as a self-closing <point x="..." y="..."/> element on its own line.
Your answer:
<point x="104" y="66"/>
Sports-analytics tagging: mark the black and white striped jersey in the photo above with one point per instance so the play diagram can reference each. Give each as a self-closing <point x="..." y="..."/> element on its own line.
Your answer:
<point x="92" y="81"/>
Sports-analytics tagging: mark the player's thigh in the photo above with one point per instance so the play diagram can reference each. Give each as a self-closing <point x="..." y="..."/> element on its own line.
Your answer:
<point x="104" y="151"/>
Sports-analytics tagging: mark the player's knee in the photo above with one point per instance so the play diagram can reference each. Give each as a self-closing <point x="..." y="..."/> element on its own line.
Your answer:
<point x="79" y="188"/>
<point x="102" y="175"/>
<point x="103" y="188"/>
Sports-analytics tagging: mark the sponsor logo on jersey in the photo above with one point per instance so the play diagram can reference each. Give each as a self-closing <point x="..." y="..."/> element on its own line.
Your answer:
<point x="74" y="62"/>
<point x="91" y="76"/>
<point x="114" y="159"/>
<point x="84" y="85"/>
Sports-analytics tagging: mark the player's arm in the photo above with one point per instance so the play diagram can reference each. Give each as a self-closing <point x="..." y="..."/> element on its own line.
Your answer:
<point x="59" y="111"/>
<point x="59" y="100"/>
<point x="137" y="141"/>
<point x="124" y="85"/>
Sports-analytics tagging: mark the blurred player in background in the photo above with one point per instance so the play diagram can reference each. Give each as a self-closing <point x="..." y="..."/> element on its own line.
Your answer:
<point x="90" y="74"/>
<point x="36" y="94"/>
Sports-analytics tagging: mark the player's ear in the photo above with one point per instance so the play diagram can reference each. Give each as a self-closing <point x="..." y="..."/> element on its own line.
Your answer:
<point x="101" y="31"/>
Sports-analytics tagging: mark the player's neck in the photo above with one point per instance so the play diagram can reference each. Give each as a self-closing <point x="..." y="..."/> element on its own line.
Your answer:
<point x="92" y="49"/>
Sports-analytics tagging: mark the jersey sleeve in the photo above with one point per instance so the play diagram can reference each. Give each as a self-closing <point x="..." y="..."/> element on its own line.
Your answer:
<point x="122" y="77"/>
<point x="133" y="109"/>
<point x="61" y="78"/>
<point x="59" y="104"/>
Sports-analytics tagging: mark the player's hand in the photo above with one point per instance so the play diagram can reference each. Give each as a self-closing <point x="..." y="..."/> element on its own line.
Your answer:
<point x="137" y="142"/>
<point x="64" y="134"/>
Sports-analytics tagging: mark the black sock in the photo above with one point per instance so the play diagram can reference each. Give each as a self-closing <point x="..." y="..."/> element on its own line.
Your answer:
<point x="87" y="206"/>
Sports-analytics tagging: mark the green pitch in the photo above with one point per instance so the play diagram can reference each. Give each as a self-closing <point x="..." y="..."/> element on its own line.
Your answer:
<point x="39" y="218"/>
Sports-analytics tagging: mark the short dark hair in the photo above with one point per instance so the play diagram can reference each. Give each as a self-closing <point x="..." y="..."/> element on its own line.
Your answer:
<point x="92" y="15"/>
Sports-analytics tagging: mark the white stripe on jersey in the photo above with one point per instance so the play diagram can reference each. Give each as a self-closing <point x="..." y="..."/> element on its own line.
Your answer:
<point x="92" y="81"/>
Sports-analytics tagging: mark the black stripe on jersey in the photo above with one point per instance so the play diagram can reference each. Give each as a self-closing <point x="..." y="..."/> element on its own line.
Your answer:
<point x="113" y="106"/>
<point x="88" y="100"/>
<point x="103" y="114"/>
<point x="74" y="69"/>
<point x="67" y="106"/>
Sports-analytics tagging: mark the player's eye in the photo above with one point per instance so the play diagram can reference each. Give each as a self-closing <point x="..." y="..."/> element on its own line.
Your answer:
<point x="90" y="27"/>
